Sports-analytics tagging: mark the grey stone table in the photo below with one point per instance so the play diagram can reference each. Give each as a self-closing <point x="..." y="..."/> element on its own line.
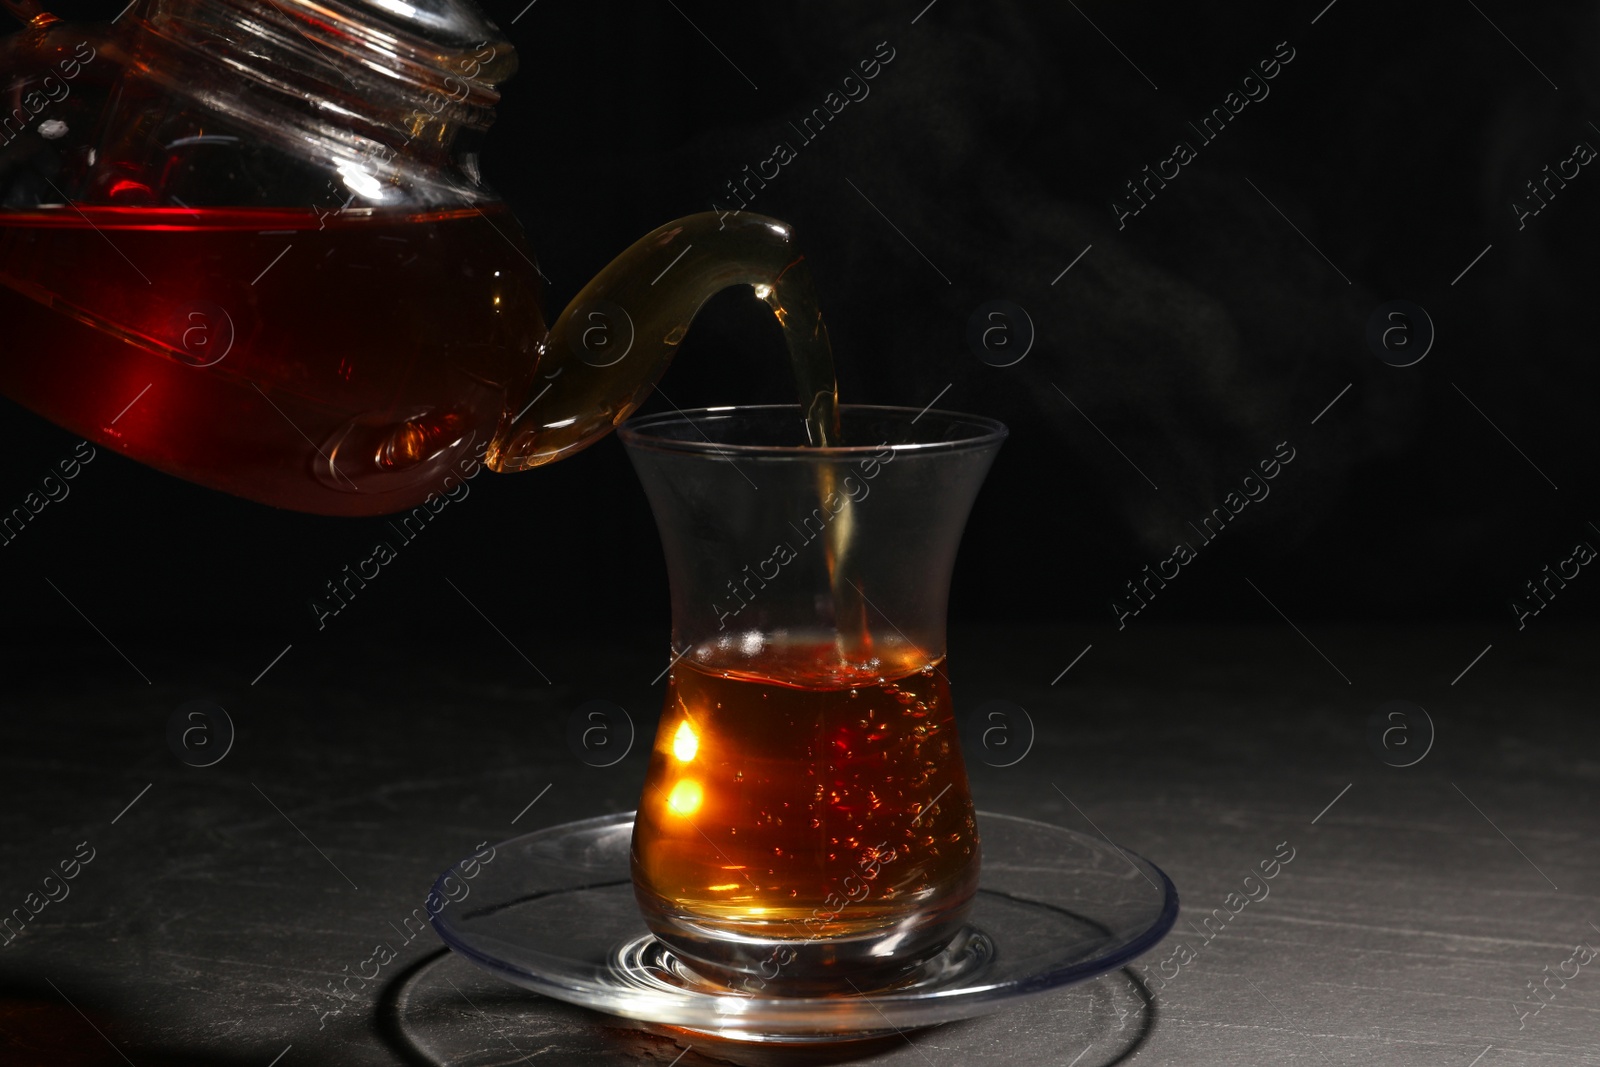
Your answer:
<point x="1432" y="914"/>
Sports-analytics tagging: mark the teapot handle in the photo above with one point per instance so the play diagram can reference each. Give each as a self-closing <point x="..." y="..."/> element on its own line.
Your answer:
<point x="613" y="342"/>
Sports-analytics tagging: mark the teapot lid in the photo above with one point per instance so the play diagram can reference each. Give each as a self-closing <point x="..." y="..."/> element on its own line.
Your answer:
<point x="430" y="48"/>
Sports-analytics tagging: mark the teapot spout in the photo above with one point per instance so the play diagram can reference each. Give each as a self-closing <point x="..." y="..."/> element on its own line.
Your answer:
<point x="611" y="345"/>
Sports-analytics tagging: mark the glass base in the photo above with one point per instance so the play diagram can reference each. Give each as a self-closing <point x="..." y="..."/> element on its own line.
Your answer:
<point x="880" y="956"/>
<point x="554" y="912"/>
<point x="653" y="966"/>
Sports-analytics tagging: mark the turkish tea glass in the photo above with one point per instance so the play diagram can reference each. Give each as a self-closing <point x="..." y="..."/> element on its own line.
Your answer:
<point x="806" y="823"/>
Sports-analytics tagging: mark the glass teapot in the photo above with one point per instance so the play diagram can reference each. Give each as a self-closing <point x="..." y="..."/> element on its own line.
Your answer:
<point x="247" y="243"/>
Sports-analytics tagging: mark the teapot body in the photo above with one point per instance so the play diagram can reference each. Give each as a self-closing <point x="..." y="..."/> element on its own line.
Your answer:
<point x="224" y="262"/>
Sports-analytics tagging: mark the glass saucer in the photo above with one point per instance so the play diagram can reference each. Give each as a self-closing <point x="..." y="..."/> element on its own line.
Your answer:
<point x="554" y="912"/>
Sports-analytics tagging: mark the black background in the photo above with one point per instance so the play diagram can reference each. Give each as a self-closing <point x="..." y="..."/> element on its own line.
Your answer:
<point x="1196" y="339"/>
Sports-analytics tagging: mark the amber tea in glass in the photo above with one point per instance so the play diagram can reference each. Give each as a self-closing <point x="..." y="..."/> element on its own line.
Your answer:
<point x="806" y="822"/>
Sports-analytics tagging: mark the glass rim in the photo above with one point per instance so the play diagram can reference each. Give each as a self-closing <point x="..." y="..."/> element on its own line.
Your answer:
<point x="636" y="433"/>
